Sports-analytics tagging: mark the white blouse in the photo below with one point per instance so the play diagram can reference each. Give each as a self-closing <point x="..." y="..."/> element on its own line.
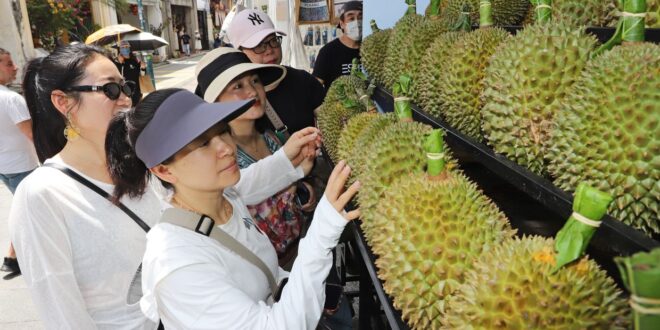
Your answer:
<point x="191" y="281"/>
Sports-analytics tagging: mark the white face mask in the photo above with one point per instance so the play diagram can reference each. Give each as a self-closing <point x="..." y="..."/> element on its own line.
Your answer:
<point x="354" y="30"/>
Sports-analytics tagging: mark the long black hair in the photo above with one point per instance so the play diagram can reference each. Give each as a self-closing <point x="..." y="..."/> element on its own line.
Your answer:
<point x="129" y="174"/>
<point x="59" y="70"/>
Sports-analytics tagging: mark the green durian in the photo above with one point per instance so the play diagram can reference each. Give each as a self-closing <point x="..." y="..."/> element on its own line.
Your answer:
<point x="432" y="67"/>
<point x="331" y="118"/>
<point x="373" y="51"/>
<point x="513" y="286"/>
<point x="358" y="157"/>
<point x="396" y="48"/>
<point x="526" y="78"/>
<point x="461" y="84"/>
<point x="581" y="12"/>
<point x="505" y="12"/>
<point x="608" y="133"/>
<point x="345" y="89"/>
<point x="355" y="125"/>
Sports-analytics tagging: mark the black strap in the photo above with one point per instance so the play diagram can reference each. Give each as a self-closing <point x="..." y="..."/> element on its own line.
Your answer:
<point x="99" y="191"/>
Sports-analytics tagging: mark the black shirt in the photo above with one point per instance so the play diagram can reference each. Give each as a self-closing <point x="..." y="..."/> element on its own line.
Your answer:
<point x="185" y="39"/>
<point x="130" y="69"/>
<point x="295" y="99"/>
<point x="334" y="60"/>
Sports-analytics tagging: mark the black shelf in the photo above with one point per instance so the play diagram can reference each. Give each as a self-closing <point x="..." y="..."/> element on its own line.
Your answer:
<point x="612" y="238"/>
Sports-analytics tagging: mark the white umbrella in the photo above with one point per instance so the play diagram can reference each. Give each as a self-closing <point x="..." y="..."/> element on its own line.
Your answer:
<point x="144" y="41"/>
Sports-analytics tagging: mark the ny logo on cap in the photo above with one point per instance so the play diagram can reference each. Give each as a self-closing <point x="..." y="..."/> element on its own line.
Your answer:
<point x="254" y="17"/>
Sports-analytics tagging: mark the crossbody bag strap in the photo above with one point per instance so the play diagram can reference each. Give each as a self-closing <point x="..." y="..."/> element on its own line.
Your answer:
<point x="281" y="130"/>
<point x="204" y="225"/>
<point x="72" y="174"/>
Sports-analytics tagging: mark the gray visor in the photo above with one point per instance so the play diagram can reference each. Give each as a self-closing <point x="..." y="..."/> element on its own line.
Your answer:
<point x="180" y="119"/>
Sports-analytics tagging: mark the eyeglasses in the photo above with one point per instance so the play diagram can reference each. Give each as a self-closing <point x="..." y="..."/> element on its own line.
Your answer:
<point x="112" y="89"/>
<point x="263" y="46"/>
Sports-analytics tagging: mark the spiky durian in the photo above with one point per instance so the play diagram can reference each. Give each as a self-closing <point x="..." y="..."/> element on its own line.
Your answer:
<point x="460" y="86"/>
<point x="373" y="51"/>
<point x="331" y="118"/>
<point x="608" y="133"/>
<point x="505" y="12"/>
<point x="396" y="51"/>
<point x="526" y="78"/>
<point x="513" y="286"/>
<point x="358" y="157"/>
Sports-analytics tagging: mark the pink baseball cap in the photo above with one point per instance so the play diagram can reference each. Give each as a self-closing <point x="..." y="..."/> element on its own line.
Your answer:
<point x="249" y="27"/>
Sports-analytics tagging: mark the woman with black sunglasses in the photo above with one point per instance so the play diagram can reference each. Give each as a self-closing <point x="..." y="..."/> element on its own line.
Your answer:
<point x="78" y="251"/>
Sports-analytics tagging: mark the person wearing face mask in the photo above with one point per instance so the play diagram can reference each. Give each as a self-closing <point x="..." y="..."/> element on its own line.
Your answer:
<point x="335" y="59"/>
<point x="130" y="67"/>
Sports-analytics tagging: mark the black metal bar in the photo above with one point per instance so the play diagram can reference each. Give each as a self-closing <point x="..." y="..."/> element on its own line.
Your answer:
<point x="622" y="239"/>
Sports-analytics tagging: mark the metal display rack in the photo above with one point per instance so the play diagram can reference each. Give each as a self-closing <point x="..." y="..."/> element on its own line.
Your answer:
<point x="536" y="196"/>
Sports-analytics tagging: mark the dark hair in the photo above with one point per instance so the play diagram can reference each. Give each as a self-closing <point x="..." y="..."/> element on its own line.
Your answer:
<point x="3" y="51"/>
<point x="129" y="174"/>
<point x="59" y="70"/>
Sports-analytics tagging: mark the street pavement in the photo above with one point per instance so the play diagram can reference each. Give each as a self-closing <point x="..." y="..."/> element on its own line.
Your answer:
<point x="17" y="311"/>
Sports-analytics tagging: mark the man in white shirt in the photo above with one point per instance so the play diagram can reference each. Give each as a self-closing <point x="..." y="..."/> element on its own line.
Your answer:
<point x="17" y="155"/>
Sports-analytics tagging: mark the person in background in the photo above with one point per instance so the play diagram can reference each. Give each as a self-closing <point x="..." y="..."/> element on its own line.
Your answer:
<point x="198" y="42"/>
<point x="217" y="42"/>
<point x="253" y="33"/>
<point x="130" y="68"/>
<point x="335" y="59"/>
<point x="78" y="251"/>
<point x="17" y="155"/>
<point x="185" y="41"/>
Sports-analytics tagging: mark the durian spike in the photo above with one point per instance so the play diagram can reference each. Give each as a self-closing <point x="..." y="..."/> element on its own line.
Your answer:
<point x="434" y="146"/>
<point x="412" y="7"/>
<point x="589" y="207"/>
<point x="401" y="91"/>
<point x="630" y="27"/>
<point x="434" y="8"/>
<point x="374" y="26"/>
<point x="543" y="10"/>
<point x="463" y="23"/>
<point x="485" y="14"/>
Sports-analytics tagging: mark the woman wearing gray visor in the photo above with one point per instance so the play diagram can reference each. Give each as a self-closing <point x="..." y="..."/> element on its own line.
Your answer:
<point x="207" y="266"/>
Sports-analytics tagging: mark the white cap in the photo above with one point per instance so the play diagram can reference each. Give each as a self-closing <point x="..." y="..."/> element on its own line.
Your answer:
<point x="249" y="27"/>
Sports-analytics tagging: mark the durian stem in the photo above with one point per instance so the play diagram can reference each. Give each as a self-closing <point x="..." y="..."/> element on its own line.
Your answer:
<point x="412" y="7"/>
<point x="401" y="91"/>
<point x="630" y="27"/>
<point x="434" y="8"/>
<point x="589" y="207"/>
<point x="434" y="146"/>
<point x="463" y="23"/>
<point x="374" y="26"/>
<point x="543" y="10"/>
<point x="485" y="14"/>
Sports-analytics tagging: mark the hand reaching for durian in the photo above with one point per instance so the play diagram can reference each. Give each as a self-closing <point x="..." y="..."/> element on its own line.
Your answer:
<point x="336" y="194"/>
<point x="303" y="145"/>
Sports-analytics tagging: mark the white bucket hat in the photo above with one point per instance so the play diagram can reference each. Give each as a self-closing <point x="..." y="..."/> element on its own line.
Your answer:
<point x="222" y="65"/>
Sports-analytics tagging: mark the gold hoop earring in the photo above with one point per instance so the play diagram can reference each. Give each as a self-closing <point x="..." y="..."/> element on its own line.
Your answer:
<point x="70" y="132"/>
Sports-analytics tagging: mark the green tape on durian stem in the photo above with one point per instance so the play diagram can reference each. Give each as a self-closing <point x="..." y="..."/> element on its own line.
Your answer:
<point x="543" y="10"/>
<point x="401" y="90"/>
<point x="640" y="274"/>
<point x="374" y="26"/>
<point x="485" y="13"/>
<point x="434" y="146"/>
<point x="434" y="8"/>
<point x="412" y="7"/>
<point x="589" y="207"/>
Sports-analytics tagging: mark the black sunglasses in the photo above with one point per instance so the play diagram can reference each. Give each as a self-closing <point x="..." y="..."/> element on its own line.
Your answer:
<point x="112" y="89"/>
<point x="263" y="46"/>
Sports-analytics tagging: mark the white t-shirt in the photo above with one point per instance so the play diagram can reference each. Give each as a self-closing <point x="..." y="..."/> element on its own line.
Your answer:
<point x="192" y="281"/>
<point x="78" y="252"/>
<point x="17" y="153"/>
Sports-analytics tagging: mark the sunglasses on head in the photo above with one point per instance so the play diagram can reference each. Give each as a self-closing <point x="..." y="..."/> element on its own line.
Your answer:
<point x="112" y="89"/>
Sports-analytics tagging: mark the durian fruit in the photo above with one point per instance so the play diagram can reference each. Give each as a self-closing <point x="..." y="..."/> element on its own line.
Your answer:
<point x="357" y="157"/>
<point x="395" y="151"/>
<point x="432" y="67"/>
<point x="461" y="85"/>
<point x="331" y="118"/>
<point x="581" y="12"/>
<point x="427" y="231"/>
<point x="505" y="12"/>
<point x="350" y="133"/>
<point x="608" y="134"/>
<point x="526" y="77"/>
<point x="513" y="286"/>
<point x="345" y="88"/>
<point x="373" y="51"/>
<point x="396" y="51"/>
